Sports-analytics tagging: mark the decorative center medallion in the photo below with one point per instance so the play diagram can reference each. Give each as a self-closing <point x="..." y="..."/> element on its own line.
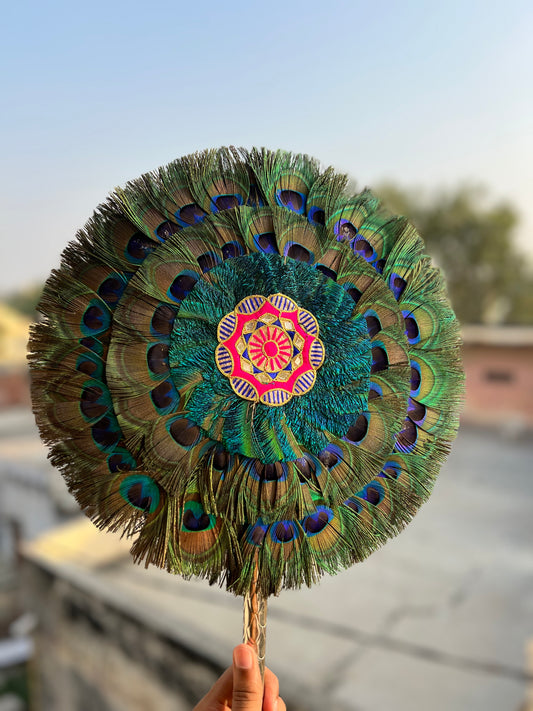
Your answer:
<point x="269" y="349"/>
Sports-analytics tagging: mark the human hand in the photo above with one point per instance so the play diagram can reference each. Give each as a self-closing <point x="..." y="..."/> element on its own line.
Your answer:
<point x="240" y="687"/>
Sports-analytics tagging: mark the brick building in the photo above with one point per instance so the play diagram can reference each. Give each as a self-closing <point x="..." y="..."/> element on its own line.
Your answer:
<point x="499" y="376"/>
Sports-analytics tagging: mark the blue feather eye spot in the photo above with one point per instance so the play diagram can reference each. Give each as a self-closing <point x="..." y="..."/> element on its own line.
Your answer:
<point x="326" y="271"/>
<point x="166" y="229"/>
<point x="93" y="399"/>
<point x="195" y="519"/>
<point x="96" y="318"/>
<point x="314" y="523"/>
<point x="163" y="320"/>
<point x="274" y="471"/>
<point x="296" y="251"/>
<point x="157" y="359"/>
<point x="358" y="431"/>
<point x="256" y="533"/>
<point x="111" y="290"/>
<point x="353" y="291"/>
<point x="411" y="327"/>
<point x="374" y="391"/>
<point x="231" y="250"/>
<point x="182" y="285"/>
<point x="208" y="261"/>
<point x="106" y="433"/>
<point x="141" y="492"/>
<point x="373" y="324"/>
<point x="344" y="231"/>
<point x="391" y="470"/>
<point x="316" y="216"/>
<point x="364" y="249"/>
<point x="353" y="505"/>
<point x="92" y="344"/>
<point x="184" y="432"/>
<point x="373" y="493"/>
<point x="379" y="266"/>
<point x="226" y="201"/>
<point x="292" y="200"/>
<point x="165" y="397"/>
<point x="331" y="456"/>
<point x="283" y="531"/>
<point x="305" y="468"/>
<point x="220" y="459"/>
<point x="190" y="214"/>
<point x="416" y="411"/>
<point x="120" y="462"/>
<point x="397" y="285"/>
<point x="407" y="438"/>
<point x="138" y="248"/>
<point x="416" y="378"/>
<point x="266" y="242"/>
<point x="380" y="359"/>
<point x="89" y="366"/>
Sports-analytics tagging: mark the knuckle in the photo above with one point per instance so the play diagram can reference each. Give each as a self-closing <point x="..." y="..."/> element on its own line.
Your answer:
<point x="245" y="698"/>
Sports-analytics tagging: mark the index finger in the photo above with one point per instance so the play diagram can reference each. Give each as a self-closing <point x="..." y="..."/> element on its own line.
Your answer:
<point x="219" y="696"/>
<point x="271" y="691"/>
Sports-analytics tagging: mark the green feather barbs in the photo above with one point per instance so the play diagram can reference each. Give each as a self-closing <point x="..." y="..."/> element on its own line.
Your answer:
<point x="142" y="400"/>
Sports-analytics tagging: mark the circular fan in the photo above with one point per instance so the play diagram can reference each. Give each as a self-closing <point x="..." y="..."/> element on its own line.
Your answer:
<point x="250" y="371"/>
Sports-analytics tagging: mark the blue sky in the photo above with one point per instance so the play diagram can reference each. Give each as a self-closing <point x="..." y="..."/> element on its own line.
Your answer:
<point x="427" y="94"/>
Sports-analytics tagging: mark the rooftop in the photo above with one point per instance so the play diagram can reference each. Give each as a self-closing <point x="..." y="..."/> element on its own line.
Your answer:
<point x="436" y="619"/>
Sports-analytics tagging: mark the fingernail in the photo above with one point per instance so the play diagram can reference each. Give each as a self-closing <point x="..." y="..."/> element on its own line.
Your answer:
<point x="243" y="657"/>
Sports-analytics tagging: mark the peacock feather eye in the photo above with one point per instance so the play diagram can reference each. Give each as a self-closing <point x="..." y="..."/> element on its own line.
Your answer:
<point x="316" y="215"/>
<point x="253" y="372"/>
<point x="163" y="320"/>
<point x="373" y="493"/>
<point x="266" y="242"/>
<point x="225" y="202"/>
<point x="166" y="229"/>
<point x="316" y="522"/>
<point x="141" y="492"/>
<point x="95" y="319"/>
<point x="181" y="285"/>
<point x="292" y="200"/>
<point x="138" y="248"/>
<point x="345" y="231"/>
<point x="194" y="518"/>
<point x="357" y="432"/>
<point x="190" y="214"/>
<point x="157" y="358"/>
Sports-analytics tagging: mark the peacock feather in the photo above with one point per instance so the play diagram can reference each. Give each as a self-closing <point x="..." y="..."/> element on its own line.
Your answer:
<point x="253" y="373"/>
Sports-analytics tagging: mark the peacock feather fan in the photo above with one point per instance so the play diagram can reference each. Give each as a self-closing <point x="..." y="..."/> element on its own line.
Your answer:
<point x="253" y="373"/>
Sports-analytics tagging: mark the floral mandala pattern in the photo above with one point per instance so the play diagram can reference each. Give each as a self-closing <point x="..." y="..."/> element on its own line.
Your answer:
<point x="269" y="349"/>
<point x="256" y="363"/>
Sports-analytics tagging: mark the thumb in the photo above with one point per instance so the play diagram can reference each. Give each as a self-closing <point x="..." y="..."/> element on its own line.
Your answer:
<point x="247" y="683"/>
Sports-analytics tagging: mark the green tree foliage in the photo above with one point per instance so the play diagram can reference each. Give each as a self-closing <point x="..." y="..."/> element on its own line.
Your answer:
<point x="25" y="301"/>
<point x="489" y="280"/>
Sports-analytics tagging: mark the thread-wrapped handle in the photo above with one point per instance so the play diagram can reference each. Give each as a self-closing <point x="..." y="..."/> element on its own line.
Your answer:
<point x="254" y="622"/>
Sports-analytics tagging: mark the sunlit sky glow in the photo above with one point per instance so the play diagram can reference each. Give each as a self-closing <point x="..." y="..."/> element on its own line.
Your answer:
<point x="427" y="94"/>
